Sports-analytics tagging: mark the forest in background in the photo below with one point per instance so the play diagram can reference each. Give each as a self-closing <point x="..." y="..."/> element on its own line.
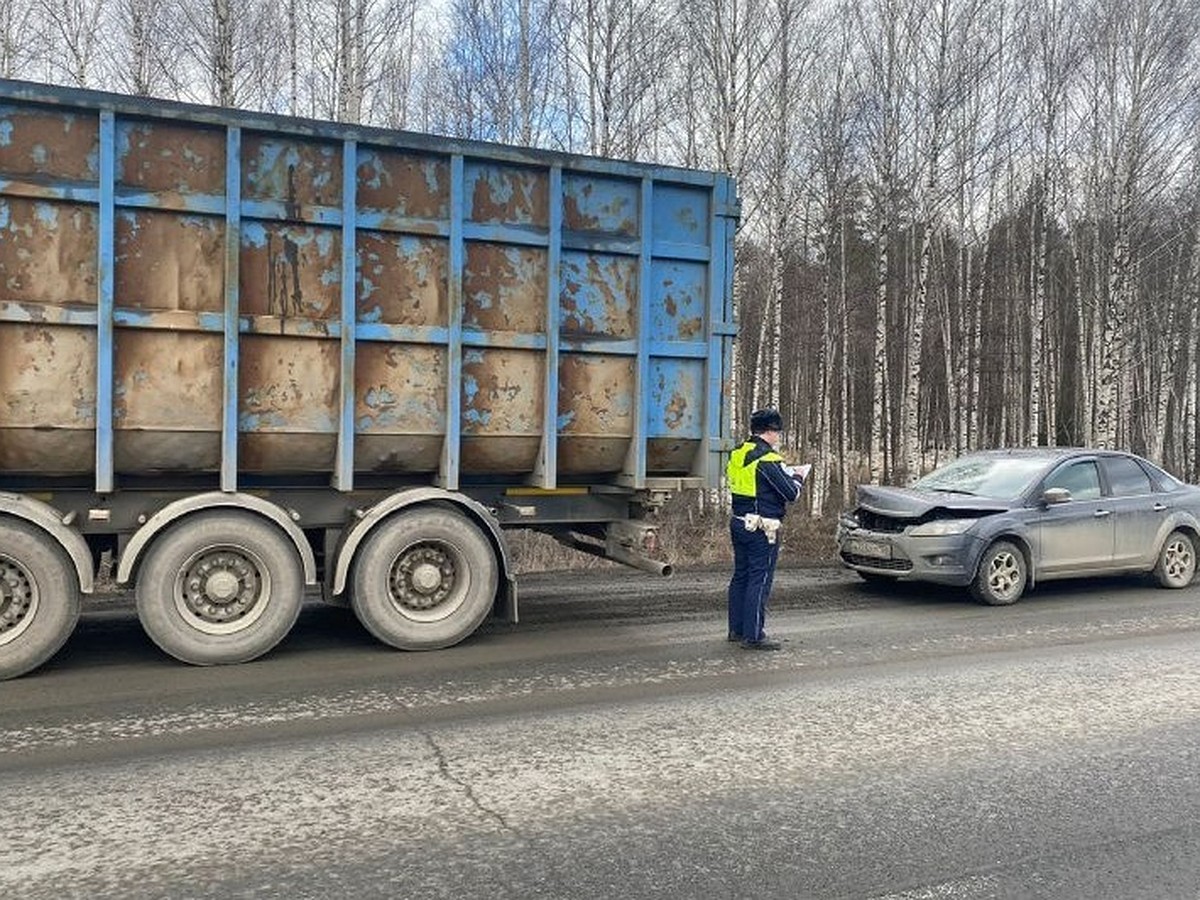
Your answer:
<point x="964" y="223"/>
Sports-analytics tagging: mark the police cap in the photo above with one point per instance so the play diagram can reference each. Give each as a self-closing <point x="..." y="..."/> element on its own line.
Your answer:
<point x="765" y="420"/>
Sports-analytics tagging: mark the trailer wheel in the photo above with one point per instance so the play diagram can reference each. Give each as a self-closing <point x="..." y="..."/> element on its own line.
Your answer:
<point x="220" y="587"/>
<point x="424" y="579"/>
<point x="39" y="598"/>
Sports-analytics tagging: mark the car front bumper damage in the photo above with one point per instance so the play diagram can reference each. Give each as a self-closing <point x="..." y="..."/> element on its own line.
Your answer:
<point x="943" y="559"/>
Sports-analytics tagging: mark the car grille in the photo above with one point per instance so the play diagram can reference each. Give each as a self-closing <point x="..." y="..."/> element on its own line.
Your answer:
<point x="875" y="522"/>
<point x="892" y="565"/>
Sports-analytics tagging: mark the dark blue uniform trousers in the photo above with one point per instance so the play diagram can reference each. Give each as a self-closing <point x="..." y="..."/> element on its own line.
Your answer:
<point x="753" y="571"/>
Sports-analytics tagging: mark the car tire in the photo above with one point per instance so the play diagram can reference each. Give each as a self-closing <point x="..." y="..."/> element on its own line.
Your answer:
<point x="1176" y="565"/>
<point x="1002" y="575"/>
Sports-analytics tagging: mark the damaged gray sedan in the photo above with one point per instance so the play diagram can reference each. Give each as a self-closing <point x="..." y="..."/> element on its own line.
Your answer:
<point x="998" y="521"/>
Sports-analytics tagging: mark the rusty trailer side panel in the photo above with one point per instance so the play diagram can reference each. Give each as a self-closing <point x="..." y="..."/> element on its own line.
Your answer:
<point x="189" y="291"/>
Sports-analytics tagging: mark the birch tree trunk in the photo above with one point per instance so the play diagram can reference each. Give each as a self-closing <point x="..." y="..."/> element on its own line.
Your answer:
<point x="782" y="198"/>
<point x="879" y="404"/>
<point x="141" y="25"/>
<point x="17" y="49"/>
<point x="951" y="26"/>
<point x="1188" y="386"/>
<point x="830" y="101"/>
<point x="74" y="27"/>
<point x="525" y="89"/>
<point x="887" y="54"/>
<point x="1190" y="464"/>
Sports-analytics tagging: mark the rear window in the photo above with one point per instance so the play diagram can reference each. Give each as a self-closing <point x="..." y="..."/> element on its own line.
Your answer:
<point x="1125" y="477"/>
<point x="1161" y="480"/>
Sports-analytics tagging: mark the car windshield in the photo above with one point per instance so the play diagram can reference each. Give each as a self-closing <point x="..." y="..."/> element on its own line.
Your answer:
<point x="998" y="477"/>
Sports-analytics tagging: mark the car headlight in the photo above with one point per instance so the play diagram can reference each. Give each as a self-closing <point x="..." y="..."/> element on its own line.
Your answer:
<point x="940" y="527"/>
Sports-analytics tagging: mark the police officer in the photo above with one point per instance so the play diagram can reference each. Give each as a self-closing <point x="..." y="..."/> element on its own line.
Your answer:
<point x="762" y="486"/>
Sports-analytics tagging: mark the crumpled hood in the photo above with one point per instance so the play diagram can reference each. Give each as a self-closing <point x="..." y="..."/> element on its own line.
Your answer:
<point x="905" y="503"/>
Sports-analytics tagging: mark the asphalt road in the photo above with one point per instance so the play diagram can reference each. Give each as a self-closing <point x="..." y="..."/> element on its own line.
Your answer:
<point x="904" y="744"/>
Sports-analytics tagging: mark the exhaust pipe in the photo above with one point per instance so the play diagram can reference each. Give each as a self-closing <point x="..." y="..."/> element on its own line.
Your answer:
<point x="654" y="566"/>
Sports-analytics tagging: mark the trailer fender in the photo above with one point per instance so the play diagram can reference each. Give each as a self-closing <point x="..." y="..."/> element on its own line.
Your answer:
<point x="356" y="533"/>
<point x="216" y="499"/>
<point x="58" y="526"/>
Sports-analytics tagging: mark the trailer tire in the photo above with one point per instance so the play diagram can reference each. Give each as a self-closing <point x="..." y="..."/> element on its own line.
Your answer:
<point x="424" y="579"/>
<point x="219" y="587"/>
<point x="39" y="598"/>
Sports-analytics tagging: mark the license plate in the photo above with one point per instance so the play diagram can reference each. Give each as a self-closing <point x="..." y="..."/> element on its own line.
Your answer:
<point x="873" y="549"/>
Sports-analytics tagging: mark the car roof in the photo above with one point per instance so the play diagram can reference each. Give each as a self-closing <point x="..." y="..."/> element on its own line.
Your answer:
<point x="1049" y="453"/>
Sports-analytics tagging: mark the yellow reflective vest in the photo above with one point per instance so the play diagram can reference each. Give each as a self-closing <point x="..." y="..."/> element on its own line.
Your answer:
<point x="743" y="475"/>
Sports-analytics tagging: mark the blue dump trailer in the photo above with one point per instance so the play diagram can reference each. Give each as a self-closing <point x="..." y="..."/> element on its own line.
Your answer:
<point x="247" y="358"/>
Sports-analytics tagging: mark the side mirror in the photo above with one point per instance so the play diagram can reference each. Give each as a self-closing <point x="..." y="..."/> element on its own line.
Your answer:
<point x="1051" y="496"/>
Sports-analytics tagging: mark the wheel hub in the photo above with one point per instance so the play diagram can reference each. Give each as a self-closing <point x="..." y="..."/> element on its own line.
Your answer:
<point x="18" y="598"/>
<point x="220" y="587"/>
<point x="1005" y="574"/>
<point x="1179" y="562"/>
<point x="422" y="578"/>
<point x="426" y="578"/>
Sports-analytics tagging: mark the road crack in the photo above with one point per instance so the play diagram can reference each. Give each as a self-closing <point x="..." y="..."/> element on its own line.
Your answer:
<point x="553" y="875"/>
<point x="443" y="765"/>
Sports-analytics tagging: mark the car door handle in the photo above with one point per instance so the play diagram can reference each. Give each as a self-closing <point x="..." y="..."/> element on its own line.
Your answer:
<point x="1101" y="513"/>
<point x="1159" y="507"/>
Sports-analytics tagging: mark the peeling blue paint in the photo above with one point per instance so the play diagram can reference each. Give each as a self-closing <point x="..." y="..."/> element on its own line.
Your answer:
<point x="478" y="417"/>
<point x="253" y="234"/>
<point x="47" y="214"/>
<point x="85" y="412"/>
<point x="372" y="165"/>
<point x="263" y="421"/>
<point x="681" y="214"/>
<point x="431" y="179"/>
<point x="137" y="317"/>
<point x="379" y="397"/>
<point x="268" y="157"/>
<point x="197" y="159"/>
<point x="470" y="387"/>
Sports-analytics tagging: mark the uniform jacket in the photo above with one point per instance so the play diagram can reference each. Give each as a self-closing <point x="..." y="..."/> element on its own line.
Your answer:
<point x="774" y="488"/>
